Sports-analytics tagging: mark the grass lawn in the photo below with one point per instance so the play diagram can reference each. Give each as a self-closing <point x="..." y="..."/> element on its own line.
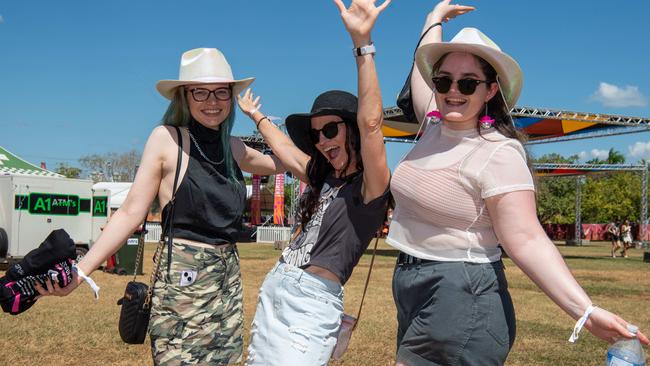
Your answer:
<point x="76" y="330"/>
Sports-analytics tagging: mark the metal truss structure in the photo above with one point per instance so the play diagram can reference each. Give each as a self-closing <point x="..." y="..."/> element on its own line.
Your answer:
<point x="620" y="125"/>
<point x="581" y="168"/>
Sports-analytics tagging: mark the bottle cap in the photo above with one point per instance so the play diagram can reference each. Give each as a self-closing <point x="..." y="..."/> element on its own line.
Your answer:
<point x="632" y="329"/>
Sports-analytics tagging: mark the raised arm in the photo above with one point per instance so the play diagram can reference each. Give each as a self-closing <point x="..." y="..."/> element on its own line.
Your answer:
<point x="359" y="19"/>
<point x="253" y="161"/>
<point x="292" y="158"/>
<point x="432" y="33"/>
<point x="515" y="222"/>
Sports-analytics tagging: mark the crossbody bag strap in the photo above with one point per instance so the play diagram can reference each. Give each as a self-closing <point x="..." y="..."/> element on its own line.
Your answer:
<point x="170" y="221"/>
<point x="365" y="288"/>
<point x="140" y="246"/>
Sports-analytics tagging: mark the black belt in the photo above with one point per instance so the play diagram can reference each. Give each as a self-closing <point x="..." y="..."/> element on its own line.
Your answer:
<point x="405" y="259"/>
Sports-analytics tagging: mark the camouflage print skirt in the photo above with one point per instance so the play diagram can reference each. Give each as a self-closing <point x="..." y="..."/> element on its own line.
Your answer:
<point x="197" y="313"/>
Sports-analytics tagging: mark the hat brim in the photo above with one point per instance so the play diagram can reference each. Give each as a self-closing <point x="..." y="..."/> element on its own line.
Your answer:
<point x="299" y="124"/>
<point x="167" y="88"/>
<point x="511" y="77"/>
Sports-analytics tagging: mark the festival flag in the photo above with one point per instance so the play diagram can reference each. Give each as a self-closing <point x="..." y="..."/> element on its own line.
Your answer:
<point x="278" y="200"/>
<point x="256" y="201"/>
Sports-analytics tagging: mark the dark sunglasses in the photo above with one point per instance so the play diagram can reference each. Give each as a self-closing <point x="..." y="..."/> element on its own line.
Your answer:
<point x="330" y="130"/>
<point x="466" y="86"/>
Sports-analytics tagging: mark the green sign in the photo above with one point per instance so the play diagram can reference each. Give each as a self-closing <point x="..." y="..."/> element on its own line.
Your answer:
<point x="53" y="204"/>
<point x="99" y="207"/>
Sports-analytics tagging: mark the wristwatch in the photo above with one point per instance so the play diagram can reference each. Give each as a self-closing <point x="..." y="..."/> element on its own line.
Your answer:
<point x="364" y="50"/>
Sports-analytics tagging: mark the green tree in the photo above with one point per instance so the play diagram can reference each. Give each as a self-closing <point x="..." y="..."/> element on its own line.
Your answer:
<point x="68" y="171"/>
<point x="556" y="200"/>
<point x="612" y="196"/>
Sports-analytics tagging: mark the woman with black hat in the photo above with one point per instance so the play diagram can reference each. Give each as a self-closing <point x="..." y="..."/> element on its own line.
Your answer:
<point x="476" y="195"/>
<point x="338" y="150"/>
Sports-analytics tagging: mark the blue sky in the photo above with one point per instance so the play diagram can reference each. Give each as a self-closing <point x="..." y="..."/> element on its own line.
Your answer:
<point x="78" y="76"/>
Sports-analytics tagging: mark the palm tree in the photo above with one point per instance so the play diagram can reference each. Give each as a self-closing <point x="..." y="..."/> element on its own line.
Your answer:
<point x="615" y="157"/>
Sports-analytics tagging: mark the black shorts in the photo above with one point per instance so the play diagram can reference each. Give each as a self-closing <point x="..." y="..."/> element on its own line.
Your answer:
<point x="453" y="313"/>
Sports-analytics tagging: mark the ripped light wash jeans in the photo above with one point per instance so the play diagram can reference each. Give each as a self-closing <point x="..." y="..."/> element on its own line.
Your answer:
<point x="297" y="319"/>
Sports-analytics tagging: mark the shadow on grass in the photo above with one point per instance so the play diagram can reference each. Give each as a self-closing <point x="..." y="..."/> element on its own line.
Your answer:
<point x="383" y="252"/>
<point x="607" y="258"/>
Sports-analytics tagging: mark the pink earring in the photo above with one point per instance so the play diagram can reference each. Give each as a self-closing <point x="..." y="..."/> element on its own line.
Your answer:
<point x="434" y="116"/>
<point x="486" y="121"/>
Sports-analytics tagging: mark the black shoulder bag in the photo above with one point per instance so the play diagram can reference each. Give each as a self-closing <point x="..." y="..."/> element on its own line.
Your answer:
<point x="136" y="302"/>
<point x="404" y="100"/>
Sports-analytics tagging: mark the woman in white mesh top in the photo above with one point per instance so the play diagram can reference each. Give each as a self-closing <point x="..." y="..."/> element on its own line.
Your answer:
<point x="474" y="192"/>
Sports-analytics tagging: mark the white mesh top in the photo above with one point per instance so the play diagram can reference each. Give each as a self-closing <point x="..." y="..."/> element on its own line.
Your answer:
<point x="439" y="189"/>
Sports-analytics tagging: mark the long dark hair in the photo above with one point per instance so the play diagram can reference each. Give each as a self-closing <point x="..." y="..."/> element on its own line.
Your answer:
<point x="318" y="168"/>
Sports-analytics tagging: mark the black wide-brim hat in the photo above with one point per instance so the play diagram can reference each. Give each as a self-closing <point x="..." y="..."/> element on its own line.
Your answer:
<point x="333" y="102"/>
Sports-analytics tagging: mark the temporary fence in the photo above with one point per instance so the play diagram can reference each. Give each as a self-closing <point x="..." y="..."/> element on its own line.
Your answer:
<point x="271" y="234"/>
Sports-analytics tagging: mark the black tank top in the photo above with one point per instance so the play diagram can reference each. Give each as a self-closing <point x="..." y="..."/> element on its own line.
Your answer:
<point x="209" y="206"/>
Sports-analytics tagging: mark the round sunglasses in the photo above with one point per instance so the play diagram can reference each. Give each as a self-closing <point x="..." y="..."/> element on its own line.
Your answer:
<point x="330" y="130"/>
<point x="466" y="86"/>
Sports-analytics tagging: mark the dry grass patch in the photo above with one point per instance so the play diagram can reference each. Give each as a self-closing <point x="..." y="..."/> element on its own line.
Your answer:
<point x="78" y="330"/>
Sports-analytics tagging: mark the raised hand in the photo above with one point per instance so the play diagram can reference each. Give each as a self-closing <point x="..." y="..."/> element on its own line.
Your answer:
<point x="360" y="17"/>
<point x="248" y="104"/>
<point x="444" y="10"/>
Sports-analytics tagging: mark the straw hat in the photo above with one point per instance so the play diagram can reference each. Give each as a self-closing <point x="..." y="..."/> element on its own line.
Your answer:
<point x="203" y="66"/>
<point x="472" y="40"/>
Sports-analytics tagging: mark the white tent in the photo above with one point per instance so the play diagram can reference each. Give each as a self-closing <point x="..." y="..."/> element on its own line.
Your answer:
<point x="119" y="190"/>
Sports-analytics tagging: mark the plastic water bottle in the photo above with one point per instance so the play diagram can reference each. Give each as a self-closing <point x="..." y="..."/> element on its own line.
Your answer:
<point x="626" y="352"/>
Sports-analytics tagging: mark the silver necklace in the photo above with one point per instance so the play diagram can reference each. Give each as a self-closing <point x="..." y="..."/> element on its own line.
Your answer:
<point x="196" y="144"/>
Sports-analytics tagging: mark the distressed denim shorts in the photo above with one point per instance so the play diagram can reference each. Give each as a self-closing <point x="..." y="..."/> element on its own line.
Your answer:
<point x="453" y="313"/>
<point x="297" y="319"/>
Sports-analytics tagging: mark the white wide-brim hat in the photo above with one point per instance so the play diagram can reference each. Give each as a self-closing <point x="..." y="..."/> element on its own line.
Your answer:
<point x="203" y="66"/>
<point x="473" y="41"/>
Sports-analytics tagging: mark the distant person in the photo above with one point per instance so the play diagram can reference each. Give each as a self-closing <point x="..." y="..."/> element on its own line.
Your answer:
<point x="462" y="190"/>
<point x="196" y="316"/>
<point x="613" y="231"/>
<point x="626" y="237"/>
<point x="338" y="150"/>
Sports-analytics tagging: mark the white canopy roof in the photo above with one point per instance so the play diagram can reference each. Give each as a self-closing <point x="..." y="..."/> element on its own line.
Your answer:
<point x="119" y="190"/>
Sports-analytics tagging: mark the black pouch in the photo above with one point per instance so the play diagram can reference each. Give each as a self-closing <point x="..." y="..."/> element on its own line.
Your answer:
<point x="404" y="101"/>
<point x="135" y="312"/>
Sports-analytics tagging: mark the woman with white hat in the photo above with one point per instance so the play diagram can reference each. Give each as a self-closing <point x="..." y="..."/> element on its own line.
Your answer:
<point x="196" y="315"/>
<point x="475" y="192"/>
<point x="338" y="150"/>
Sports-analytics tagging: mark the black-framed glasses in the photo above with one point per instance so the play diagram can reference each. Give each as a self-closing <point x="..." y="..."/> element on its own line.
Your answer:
<point x="202" y="94"/>
<point x="466" y="86"/>
<point x="330" y="130"/>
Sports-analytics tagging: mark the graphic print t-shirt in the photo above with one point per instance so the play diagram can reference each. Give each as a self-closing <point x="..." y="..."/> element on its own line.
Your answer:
<point x="340" y="229"/>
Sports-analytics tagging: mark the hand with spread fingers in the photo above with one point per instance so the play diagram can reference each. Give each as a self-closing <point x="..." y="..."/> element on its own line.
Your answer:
<point x="249" y="104"/>
<point x="360" y="17"/>
<point x="444" y="11"/>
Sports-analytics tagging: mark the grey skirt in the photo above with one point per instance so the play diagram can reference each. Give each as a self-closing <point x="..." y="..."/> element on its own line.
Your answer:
<point x="453" y="313"/>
